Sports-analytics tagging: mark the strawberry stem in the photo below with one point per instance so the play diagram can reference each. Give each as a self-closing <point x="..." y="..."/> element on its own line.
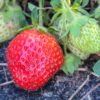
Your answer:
<point x="40" y="13"/>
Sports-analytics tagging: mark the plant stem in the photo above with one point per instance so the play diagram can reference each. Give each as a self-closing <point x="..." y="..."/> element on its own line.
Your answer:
<point x="40" y="13"/>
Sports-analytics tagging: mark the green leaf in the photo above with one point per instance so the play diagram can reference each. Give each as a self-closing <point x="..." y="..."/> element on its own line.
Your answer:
<point x="78" y="1"/>
<point x="97" y="12"/>
<point x="35" y="16"/>
<point x="31" y="6"/>
<point x="55" y="16"/>
<point x="85" y="3"/>
<point x="15" y="14"/>
<point x="55" y="3"/>
<point x="71" y="64"/>
<point x="34" y="13"/>
<point x="77" y="24"/>
<point x="83" y="11"/>
<point x="75" y="29"/>
<point x="96" y="68"/>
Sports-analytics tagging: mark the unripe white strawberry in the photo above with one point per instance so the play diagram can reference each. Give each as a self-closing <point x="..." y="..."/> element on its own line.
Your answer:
<point x="88" y="41"/>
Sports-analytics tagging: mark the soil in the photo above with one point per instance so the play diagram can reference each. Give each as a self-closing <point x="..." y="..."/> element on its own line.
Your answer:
<point x="60" y="87"/>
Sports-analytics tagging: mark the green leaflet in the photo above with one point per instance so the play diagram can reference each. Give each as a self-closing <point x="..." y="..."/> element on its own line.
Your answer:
<point x="55" y="16"/>
<point x="15" y="14"/>
<point x="85" y="3"/>
<point x="71" y="63"/>
<point x="96" y="68"/>
<point x="31" y="6"/>
<point x="35" y="16"/>
<point x="77" y="24"/>
<point x="78" y="1"/>
<point x="34" y="13"/>
<point x="97" y="12"/>
<point x="55" y="3"/>
<point x="80" y="9"/>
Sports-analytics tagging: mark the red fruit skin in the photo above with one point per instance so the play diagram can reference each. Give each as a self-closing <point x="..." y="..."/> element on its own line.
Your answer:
<point x="33" y="58"/>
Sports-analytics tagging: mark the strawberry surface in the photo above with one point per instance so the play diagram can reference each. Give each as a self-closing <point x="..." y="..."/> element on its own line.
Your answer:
<point x="33" y="58"/>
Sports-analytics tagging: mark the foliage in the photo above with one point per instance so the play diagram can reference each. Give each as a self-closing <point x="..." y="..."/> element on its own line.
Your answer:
<point x="70" y="19"/>
<point x="96" y="68"/>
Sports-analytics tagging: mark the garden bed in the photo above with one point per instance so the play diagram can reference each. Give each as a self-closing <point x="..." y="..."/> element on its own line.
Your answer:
<point x="82" y="85"/>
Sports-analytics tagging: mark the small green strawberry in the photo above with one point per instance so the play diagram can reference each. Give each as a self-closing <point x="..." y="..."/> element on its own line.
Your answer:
<point x="11" y="19"/>
<point x="88" y="41"/>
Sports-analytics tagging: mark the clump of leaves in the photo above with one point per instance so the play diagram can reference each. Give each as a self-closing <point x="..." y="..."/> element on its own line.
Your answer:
<point x="75" y="28"/>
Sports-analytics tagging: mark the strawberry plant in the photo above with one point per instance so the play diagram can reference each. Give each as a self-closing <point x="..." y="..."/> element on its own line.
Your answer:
<point x="76" y="29"/>
<point x="11" y="19"/>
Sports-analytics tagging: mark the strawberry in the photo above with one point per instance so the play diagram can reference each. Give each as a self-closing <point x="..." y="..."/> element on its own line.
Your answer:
<point x="33" y="58"/>
<point x="11" y="19"/>
<point x="88" y="42"/>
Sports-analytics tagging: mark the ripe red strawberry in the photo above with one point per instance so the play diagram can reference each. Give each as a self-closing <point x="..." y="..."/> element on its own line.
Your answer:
<point x="33" y="58"/>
